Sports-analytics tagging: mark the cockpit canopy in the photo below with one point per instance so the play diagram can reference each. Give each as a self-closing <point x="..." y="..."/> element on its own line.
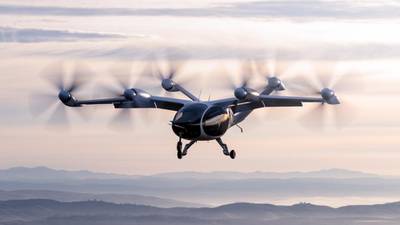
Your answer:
<point x="186" y="123"/>
<point x="215" y="121"/>
<point x="190" y="114"/>
<point x="191" y="120"/>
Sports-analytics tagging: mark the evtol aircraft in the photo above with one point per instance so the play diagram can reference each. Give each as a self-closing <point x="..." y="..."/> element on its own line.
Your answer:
<point x="196" y="120"/>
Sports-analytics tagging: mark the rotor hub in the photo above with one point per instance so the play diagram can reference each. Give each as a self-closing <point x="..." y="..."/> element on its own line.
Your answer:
<point x="276" y="83"/>
<point x="64" y="96"/>
<point x="129" y="94"/>
<point x="241" y="93"/>
<point x="168" y="84"/>
<point x="327" y="93"/>
<point x="273" y="81"/>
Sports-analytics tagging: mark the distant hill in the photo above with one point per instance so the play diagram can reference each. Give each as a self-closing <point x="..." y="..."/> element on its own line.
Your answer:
<point x="212" y="188"/>
<point x="113" y="198"/>
<point x="40" y="211"/>
<point x="44" y="173"/>
<point x="329" y="173"/>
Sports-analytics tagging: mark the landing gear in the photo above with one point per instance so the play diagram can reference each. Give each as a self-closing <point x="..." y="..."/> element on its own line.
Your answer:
<point x="179" y="148"/>
<point x="225" y="149"/>
<point x="181" y="153"/>
<point x="187" y="146"/>
<point x="232" y="154"/>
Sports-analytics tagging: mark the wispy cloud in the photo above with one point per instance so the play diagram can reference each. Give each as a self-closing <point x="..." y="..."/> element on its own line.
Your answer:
<point x="9" y="34"/>
<point x="265" y="9"/>
<point x="309" y="52"/>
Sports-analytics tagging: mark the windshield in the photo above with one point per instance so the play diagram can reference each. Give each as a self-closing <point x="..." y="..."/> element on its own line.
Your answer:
<point x="190" y="114"/>
<point x="216" y="121"/>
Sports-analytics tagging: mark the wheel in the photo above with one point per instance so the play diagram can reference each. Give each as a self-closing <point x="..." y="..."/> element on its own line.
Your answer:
<point x="179" y="150"/>
<point x="232" y="154"/>
<point x="179" y="154"/>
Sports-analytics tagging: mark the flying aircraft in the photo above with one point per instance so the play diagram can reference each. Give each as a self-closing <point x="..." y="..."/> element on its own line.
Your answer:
<point x="195" y="120"/>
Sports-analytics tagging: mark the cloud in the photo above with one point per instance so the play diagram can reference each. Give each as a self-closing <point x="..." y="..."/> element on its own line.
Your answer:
<point x="308" y="52"/>
<point x="263" y="9"/>
<point x="9" y="34"/>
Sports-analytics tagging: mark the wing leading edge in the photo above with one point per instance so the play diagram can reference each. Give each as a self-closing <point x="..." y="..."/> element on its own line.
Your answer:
<point x="266" y="101"/>
<point x="136" y="99"/>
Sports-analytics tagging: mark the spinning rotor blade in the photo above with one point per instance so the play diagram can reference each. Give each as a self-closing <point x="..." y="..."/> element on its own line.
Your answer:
<point x="273" y="71"/>
<point x="41" y="102"/>
<point x="57" y="76"/>
<point x="315" y="118"/>
<point x="126" y="76"/>
<point x="245" y="74"/>
<point x="122" y="120"/>
<point x="167" y="69"/>
<point x="323" y="115"/>
<point x="272" y="67"/>
<point x="341" y="114"/>
<point x="59" y="116"/>
<point x="122" y="75"/>
<point x="170" y="71"/>
<point x="168" y="65"/>
<point x="324" y="75"/>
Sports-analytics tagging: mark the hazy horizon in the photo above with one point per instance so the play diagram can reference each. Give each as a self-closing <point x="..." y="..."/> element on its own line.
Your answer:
<point x="196" y="171"/>
<point x="335" y="187"/>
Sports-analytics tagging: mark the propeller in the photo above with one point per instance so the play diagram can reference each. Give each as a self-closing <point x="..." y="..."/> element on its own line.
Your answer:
<point x="167" y="69"/>
<point x="241" y="87"/>
<point x="276" y="73"/>
<point x="326" y="83"/>
<point x="134" y="75"/>
<point x="273" y="71"/>
<point x="125" y="76"/>
<point x="63" y="82"/>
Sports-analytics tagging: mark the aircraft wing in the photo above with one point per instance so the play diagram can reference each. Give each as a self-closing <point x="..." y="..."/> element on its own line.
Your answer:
<point x="266" y="101"/>
<point x="138" y="102"/>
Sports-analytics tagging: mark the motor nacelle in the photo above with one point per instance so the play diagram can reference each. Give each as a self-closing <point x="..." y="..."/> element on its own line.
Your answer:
<point x="329" y="96"/>
<point x="275" y="84"/>
<point x="130" y="94"/>
<point x="169" y="85"/>
<point x="244" y="93"/>
<point x="67" y="99"/>
<point x="136" y="98"/>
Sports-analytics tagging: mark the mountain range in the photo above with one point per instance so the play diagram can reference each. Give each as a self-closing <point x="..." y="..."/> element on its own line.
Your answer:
<point x="45" y="173"/>
<point x="40" y="211"/>
<point x="198" y="188"/>
<point x="107" y="197"/>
